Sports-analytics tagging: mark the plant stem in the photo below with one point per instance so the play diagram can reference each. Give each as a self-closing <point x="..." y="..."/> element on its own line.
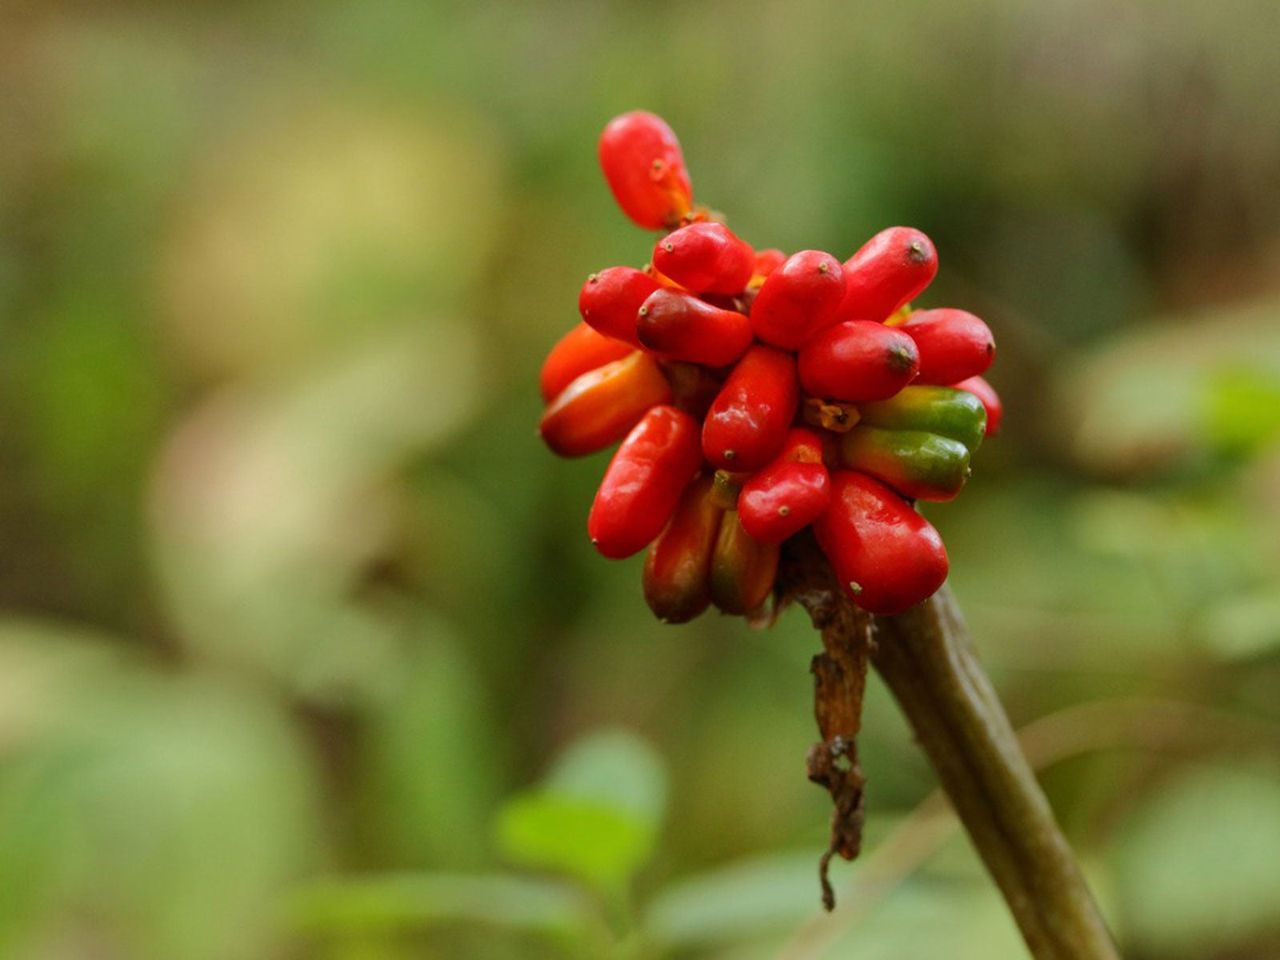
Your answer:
<point x="926" y="658"/>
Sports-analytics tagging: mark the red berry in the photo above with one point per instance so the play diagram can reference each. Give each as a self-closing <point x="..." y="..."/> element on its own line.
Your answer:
<point x="802" y="446"/>
<point x="789" y="493"/>
<point x="678" y="565"/>
<point x="693" y="387"/>
<point x="577" y="352"/>
<point x="642" y="162"/>
<point x="990" y="400"/>
<point x="609" y="301"/>
<point x="643" y="482"/>
<point x="954" y="344"/>
<point x="748" y="421"/>
<point x="768" y="261"/>
<point x="858" y="361"/>
<point x="705" y="257"/>
<point x="742" y="568"/>
<point x="599" y="407"/>
<point x="891" y="268"/>
<point x="682" y="327"/>
<point x="887" y="557"/>
<point x="798" y="299"/>
<point x="783" y="499"/>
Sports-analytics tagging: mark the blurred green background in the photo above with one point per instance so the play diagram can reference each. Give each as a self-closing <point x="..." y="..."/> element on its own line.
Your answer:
<point x="303" y="650"/>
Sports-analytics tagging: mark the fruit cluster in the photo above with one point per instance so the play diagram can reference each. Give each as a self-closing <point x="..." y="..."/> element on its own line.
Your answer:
<point x="756" y="394"/>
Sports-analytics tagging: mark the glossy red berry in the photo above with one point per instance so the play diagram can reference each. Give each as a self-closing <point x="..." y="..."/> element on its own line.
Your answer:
<point x="748" y="421"/>
<point x="645" y="169"/>
<point x="682" y="327"/>
<point x="798" y="299"/>
<point x="891" y="268"/>
<point x="990" y="400"/>
<point x="601" y="406"/>
<point x="706" y="258"/>
<point x="610" y="299"/>
<point x="643" y="482"/>
<point x="887" y="557"/>
<point x="954" y="344"/>
<point x="784" y="498"/>
<point x="858" y="361"/>
<point x="579" y="351"/>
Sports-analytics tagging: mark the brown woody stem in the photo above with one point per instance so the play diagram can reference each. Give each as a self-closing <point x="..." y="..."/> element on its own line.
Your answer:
<point x="926" y="658"/>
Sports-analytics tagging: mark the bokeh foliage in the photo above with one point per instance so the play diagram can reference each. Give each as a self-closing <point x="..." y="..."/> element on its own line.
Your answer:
<point x="303" y="651"/>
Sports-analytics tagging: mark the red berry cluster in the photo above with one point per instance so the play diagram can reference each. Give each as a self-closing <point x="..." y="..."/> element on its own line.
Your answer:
<point x="756" y="394"/>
